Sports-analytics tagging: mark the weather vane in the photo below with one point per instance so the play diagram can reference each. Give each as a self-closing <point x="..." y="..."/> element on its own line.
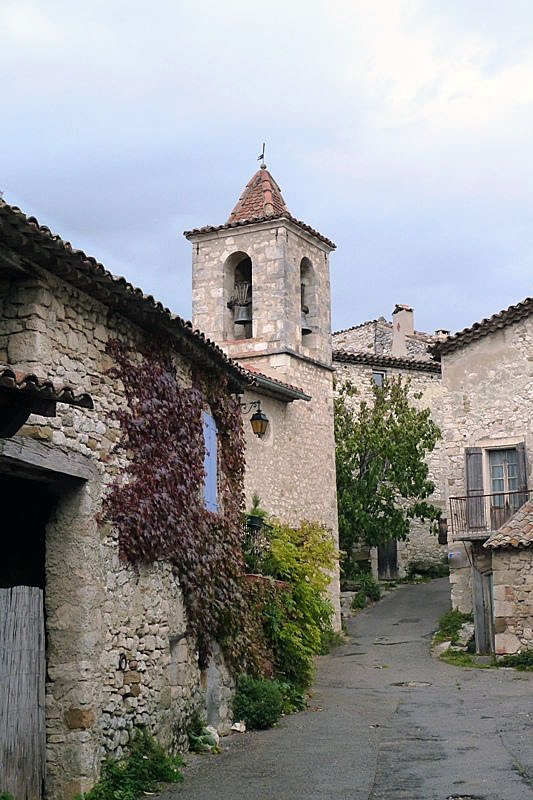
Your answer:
<point x="261" y="156"/>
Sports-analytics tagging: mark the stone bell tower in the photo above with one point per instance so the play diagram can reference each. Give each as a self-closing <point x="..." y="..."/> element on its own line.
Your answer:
<point x="261" y="291"/>
<point x="261" y="280"/>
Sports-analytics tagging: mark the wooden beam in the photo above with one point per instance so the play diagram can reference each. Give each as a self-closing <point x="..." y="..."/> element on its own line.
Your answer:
<point x="45" y="457"/>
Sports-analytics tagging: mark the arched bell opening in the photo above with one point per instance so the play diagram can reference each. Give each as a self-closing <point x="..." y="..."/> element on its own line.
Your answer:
<point x="308" y="300"/>
<point x="238" y="296"/>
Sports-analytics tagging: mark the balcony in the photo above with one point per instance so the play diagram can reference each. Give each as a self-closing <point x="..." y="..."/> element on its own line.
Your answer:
<point x="475" y="517"/>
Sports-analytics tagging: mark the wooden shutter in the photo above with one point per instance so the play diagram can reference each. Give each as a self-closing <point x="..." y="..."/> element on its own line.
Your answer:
<point x="210" y="462"/>
<point x="475" y="509"/>
<point x="522" y="472"/>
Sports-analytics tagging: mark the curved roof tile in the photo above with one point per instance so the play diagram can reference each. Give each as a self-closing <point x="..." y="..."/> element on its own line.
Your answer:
<point x="516" y="532"/>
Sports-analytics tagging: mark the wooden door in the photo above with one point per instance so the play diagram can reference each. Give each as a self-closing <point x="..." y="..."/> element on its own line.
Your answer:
<point x="388" y="560"/>
<point x="22" y="687"/>
<point x="483" y="612"/>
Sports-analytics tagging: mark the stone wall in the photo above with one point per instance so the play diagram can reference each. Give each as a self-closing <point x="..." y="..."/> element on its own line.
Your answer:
<point x="276" y="250"/>
<point x="422" y="545"/>
<point x="376" y="337"/>
<point x="117" y="654"/>
<point x="513" y="599"/>
<point x="487" y="401"/>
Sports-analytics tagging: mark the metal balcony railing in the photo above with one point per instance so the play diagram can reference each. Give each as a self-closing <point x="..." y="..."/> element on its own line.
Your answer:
<point x="476" y="516"/>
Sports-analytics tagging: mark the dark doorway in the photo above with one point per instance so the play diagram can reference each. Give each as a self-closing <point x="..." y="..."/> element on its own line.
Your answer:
<point x="26" y="507"/>
<point x="388" y="560"/>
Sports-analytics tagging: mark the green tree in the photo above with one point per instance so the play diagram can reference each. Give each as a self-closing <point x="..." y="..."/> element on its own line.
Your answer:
<point x="382" y="474"/>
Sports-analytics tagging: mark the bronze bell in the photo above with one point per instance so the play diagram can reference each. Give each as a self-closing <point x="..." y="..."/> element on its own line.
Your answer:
<point x="305" y="325"/>
<point x="242" y="315"/>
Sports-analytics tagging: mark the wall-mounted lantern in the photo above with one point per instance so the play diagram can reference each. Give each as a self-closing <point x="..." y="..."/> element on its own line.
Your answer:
<point x="258" y="420"/>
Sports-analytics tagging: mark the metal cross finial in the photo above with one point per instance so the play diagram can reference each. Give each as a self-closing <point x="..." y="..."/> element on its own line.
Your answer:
<point x="261" y="157"/>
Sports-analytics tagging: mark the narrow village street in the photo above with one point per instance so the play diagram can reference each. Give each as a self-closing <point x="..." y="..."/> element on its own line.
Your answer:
<point x="386" y="720"/>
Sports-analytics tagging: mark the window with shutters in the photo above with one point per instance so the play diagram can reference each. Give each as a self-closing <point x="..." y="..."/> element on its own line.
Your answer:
<point x="496" y="485"/>
<point x="210" y="462"/>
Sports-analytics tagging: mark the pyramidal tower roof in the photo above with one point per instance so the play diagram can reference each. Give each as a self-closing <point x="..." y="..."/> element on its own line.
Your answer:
<point x="261" y="198"/>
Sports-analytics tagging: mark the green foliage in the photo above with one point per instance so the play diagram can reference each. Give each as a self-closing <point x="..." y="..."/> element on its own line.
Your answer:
<point x="294" y="698"/>
<point x="297" y="618"/>
<point x="351" y="570"/>
<point x="459" y="658"/>
<point x="200" y="739"/>
<point x="431" y="570"/>
<point x="6" y="796"/>
<point x="359" y="600"/>
<point x="255" y="509"/>
<point x="156" y="503"/>
<point x="258" y="702"/>
<point x="450" y="624"/>
<point x="369" y="585"/>
<point x="144" y="769"/>
<point x="521" y="661"/>
<point x="382" y="475"/>
<point x="330" y="640"/>
<point x="256" y="539"/>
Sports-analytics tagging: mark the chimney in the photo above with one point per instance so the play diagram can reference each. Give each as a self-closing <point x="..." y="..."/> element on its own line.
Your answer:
<point x="442" y="334"/>
<point x="402" y="326"/>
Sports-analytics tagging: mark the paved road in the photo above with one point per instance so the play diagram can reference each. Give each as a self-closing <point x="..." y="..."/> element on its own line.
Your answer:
<point x="386" y="721"/>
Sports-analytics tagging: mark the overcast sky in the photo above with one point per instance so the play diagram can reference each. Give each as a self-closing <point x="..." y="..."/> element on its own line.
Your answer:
<point x="401" y="129"/>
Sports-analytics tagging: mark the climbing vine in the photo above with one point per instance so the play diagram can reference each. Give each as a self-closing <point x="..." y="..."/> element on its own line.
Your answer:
<point x="157" y="505"/>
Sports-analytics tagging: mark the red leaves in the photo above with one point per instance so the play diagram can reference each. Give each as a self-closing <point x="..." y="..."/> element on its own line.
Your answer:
<point x="158" y="512"/>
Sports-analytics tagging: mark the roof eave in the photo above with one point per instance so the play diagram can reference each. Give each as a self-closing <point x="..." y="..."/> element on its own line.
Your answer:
<point x="277" y="391"/>
<point x="196" y="234"/>
<point x="371" y="359"/>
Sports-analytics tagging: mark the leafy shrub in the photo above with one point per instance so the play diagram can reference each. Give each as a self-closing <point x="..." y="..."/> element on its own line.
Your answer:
<point x="200" y="739"/>
<point x="521" y="661"/>
<point x="258" y="702"/>
<point x="369" y="585"/>
<point x="428" y="569"/>
<point x="144" y="769"/>
<point x="331" y="639"/>
<point x="359" y="600"/>
<point x="297" y="618"/>
<point x="294" y="698"/>
<point x="450" y="624"/>
<point x="6" y="796"/>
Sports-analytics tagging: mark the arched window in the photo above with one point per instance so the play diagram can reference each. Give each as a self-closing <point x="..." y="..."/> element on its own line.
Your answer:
<point x="238" y="296"/>
<point x="308" y="299"/>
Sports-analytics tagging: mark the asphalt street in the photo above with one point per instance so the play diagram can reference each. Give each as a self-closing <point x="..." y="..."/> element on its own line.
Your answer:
<point x="386" y="720"/>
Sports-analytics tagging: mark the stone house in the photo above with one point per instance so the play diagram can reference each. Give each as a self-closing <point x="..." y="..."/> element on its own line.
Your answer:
<point x="261" y="291"/>
<point x="108" y="643"/>
<point x="367" y="354"/>
<point x="488" y="438"/>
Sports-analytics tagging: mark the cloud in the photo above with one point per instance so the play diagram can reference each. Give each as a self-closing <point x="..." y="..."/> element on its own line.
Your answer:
<point x="401" y="128"/>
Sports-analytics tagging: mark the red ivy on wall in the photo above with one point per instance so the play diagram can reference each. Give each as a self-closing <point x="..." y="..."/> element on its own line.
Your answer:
<point x="157" y="505"/>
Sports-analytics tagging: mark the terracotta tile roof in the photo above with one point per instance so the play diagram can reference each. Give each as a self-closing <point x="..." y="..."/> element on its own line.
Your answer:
<point x="261" y="198"/>
<point x="401" y="362"/>
<point x="361" y="325"/>
<point x="42" y="388"/>
<point x="516" y="532"/>
<point x="36" y="243"/>
<point x="260" y="201"/>
<point x="479" y="329"/>
<point x="242" y="223"/>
